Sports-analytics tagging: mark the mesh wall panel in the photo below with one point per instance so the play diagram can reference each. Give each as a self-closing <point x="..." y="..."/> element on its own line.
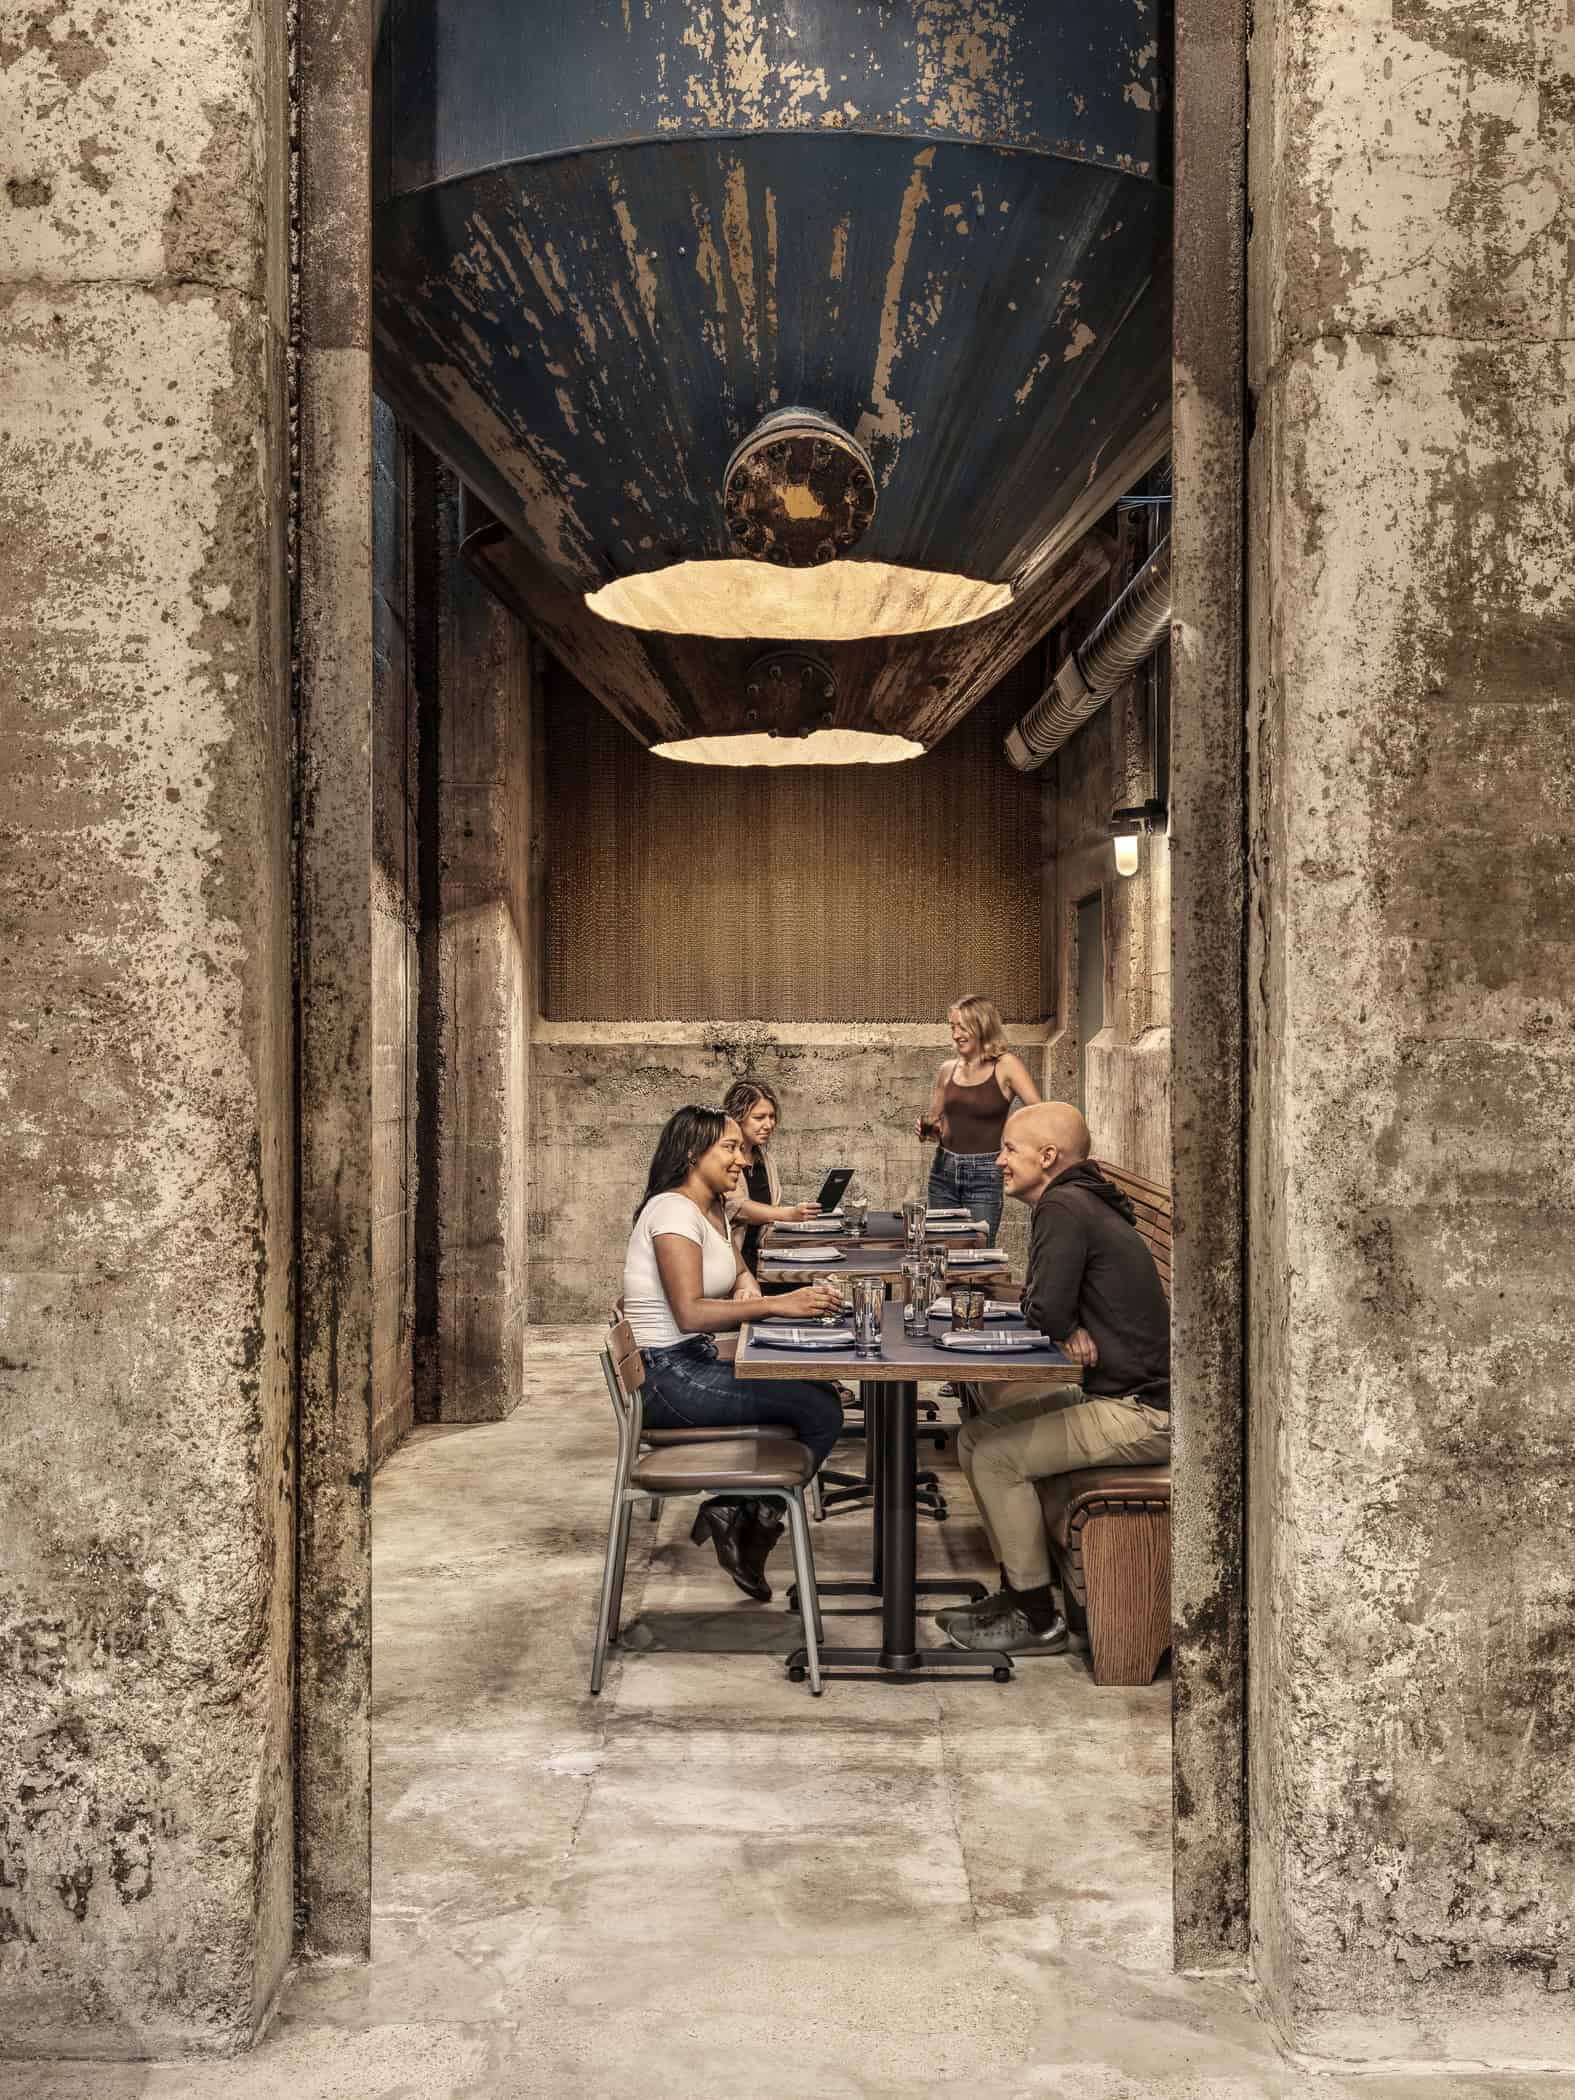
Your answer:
<point x="823" y="893"/>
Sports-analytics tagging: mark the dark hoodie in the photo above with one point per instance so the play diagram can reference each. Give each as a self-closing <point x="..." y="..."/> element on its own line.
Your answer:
<point x="1089" y="1267"/>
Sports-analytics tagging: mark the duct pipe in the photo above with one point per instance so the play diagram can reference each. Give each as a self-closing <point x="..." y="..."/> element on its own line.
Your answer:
<point x="1124" y="638"/>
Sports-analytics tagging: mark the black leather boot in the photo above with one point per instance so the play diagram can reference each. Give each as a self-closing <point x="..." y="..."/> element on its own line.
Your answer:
<point x="727" y="1526"/>
<point x="763" y="1526"/>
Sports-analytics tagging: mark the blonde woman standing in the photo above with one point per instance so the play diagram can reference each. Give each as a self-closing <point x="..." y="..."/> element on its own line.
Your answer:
<point x="973" y="1094"/>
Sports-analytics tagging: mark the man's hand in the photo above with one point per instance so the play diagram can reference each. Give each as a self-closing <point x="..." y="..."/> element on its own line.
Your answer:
<point x="1082" y="1348"/>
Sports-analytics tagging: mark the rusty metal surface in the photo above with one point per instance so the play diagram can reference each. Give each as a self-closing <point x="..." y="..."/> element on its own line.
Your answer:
<point x="972" y="279"/>
<point x="468" y="87"/>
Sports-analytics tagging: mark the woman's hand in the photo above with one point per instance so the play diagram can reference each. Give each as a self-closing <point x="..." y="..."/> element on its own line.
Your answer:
<point x="795" y="1211"/>
<point x="809" y="1303"/>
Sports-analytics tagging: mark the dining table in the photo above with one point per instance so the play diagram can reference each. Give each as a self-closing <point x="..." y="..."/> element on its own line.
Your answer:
<point x="882" y="1228"/>
<point x="889" y="1384"/>
<point x="845" y="1257"/>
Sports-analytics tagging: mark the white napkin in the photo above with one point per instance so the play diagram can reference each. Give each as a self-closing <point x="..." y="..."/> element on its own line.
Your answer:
<point x="806" y="1337"/>
<point x="816" y="1255"/>
<point x="936" y="1224"/>
<point x="993" y="1344"/>
<point x="968" y="1254"/>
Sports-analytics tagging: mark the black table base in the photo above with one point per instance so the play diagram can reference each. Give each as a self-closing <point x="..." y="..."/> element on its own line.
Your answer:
<point x="894" y="1578"/>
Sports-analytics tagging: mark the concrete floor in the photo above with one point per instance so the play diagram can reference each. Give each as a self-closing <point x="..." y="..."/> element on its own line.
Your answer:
<point x="705" y="1882"/>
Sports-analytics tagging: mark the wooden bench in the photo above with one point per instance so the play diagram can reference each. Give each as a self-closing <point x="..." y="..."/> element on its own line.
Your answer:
<point x="1110" y="1525"/>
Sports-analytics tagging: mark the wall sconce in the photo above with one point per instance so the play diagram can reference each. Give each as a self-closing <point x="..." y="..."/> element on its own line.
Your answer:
<point x="1127" y="826"/>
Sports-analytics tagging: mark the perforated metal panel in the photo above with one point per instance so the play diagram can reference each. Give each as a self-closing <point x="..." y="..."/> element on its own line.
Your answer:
<point x="859" y="893"/>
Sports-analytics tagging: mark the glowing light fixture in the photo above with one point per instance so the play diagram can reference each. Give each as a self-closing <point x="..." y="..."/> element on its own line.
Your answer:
<point x="1127" y="827"/>
<point x="822" y="747"/>
<point x="839" y="601"/>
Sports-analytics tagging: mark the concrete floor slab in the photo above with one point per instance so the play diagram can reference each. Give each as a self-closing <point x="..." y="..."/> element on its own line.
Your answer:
<point x="705" y="1881"/>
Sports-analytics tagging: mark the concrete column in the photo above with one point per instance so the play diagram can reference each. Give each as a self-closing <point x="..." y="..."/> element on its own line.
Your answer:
<point x="1412" y="1080"/>
<point x="146" y="1133"/>
<point x="476" y="1009"/>
<point x="339" y="963"/>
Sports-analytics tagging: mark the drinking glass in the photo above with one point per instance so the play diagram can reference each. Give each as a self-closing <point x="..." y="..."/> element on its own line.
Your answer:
<point x="913" y="1221"/>
<point x="839" y="1311"/>
<point x="858" y="1216"/>
<point x="936" y="1257"/>
<point x="869" y="1298"/>
<point x="916" y="1295"/>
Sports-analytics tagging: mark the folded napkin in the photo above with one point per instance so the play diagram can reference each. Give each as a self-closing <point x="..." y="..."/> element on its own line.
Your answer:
<point x="936" y="1224"/>
<point x="996" y="1344"/>
<point x="952" y="1210"/>
<point x="960" y="1256"/>
<point x="804" y="1254"/>
<point x="806" y="1337"/>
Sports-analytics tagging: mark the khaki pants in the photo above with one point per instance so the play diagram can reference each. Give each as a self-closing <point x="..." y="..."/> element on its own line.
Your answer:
<point x="1040" y="1431"/>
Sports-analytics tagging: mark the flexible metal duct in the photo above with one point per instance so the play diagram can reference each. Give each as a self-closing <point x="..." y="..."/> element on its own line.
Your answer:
<point x="1124" y="638"/>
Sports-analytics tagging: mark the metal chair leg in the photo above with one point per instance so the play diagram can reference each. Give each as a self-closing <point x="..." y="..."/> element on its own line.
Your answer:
<point x="612" y="1583"/>
<point x="817" y="1501"/>
<point x="655" y="1511"/>
<point x="804" y="1571"/>
<point x="622" y="1562"/>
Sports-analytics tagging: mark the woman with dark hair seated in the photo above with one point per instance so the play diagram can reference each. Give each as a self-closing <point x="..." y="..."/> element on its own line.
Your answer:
<point x="683" y="1284"/>
<point x="757" y="1200"/>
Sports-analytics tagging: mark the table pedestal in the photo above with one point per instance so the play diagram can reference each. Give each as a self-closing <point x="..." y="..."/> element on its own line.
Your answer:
<point x="891" y="1409"/>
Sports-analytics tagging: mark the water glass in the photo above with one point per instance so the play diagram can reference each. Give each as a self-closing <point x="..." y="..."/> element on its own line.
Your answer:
<point x="914" y="1217"/>
<point x="936" y="1258"/>
<point x="916" y="1295"/>
<point x="839" y="1312"/>
<point x="858" y="1211"/>
<point x="869" y="1299"/>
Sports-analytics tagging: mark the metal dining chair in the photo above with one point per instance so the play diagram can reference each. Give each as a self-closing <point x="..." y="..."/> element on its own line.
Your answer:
<point x="765" y="1464"/>
<point x="659" y="1437"/>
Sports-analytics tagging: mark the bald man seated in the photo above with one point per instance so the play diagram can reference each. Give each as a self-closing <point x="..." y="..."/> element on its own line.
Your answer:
<point x="1093" y="1287"/>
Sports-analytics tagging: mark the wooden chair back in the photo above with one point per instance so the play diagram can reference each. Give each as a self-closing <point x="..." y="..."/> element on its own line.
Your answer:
<point x="1152" y="1205"/>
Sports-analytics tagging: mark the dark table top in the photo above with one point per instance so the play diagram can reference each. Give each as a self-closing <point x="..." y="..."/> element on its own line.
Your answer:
<point x="915" y="1362"/>
<point x="861" y="1260"/>
<point x="882" y="1228"/>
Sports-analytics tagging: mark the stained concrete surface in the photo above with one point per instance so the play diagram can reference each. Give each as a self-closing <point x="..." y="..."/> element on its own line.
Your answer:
<point x="706" y="1881"/>
<point x="1410" y="1081"/>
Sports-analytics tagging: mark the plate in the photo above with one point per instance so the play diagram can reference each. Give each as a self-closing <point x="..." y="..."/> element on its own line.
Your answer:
<point x="807" y="1337"/>
<point x="994" y="1309"/>
<point x="995" y="1256"/>
<point x="935" y="1224"/>
<point x="992" y="1344"/>
<point x="808" y="1225"/>
<point x="810" y="1255"/>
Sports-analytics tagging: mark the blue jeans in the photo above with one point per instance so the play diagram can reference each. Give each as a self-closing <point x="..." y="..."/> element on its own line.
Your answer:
<point x="689" y="1387"/>
<point x="970" y="1178"/>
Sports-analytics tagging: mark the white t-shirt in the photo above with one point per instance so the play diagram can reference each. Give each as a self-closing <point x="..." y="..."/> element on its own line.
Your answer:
<point x="645" y="1303"/>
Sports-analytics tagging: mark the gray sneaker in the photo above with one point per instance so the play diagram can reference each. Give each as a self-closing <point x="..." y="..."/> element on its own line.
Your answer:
<point x="980" y="1608"/>
<point x="1008" y="1633"/>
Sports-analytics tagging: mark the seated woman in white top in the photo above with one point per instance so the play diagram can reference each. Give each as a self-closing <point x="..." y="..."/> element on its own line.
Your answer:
<point x="683" y="1284"/>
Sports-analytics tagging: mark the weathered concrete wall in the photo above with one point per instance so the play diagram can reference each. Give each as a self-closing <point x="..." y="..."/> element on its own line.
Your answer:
<point x="395" y="957"/>
<point x="146" y="1331"/>
<point x="601" y="1092"/>
<point x="1108" y="764"/>
<point x="477" y="949"/>
<point x="1412" y="1083"/>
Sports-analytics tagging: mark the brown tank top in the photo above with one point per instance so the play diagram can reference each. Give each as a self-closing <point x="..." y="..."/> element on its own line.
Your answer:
<point x="975" y="1115"/>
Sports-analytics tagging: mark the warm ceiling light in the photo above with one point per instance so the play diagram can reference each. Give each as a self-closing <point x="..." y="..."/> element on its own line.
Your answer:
<point x="837" y="601"/>
<point x="822" y="747"/>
